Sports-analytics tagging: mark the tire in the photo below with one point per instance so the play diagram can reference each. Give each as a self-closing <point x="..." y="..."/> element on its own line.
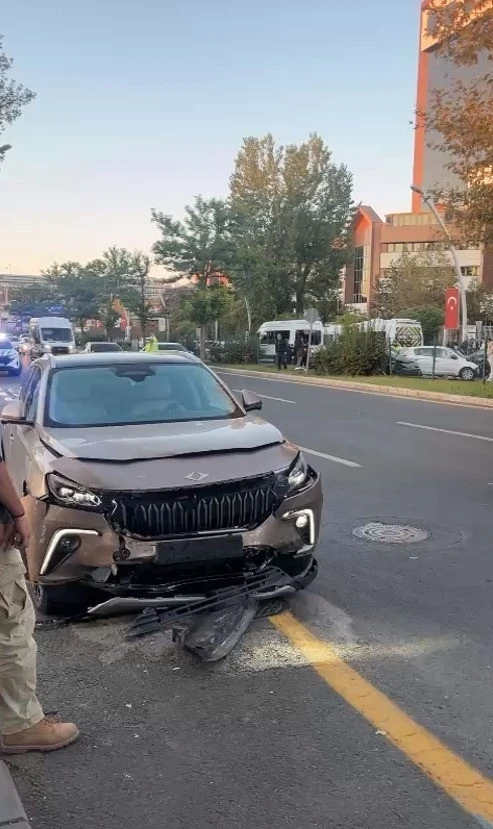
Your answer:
<point x="60" y="599"/>
<point x="467" y="374"/>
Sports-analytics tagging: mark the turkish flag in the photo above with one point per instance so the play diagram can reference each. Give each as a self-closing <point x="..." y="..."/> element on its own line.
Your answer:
<point x="452" y="308"/>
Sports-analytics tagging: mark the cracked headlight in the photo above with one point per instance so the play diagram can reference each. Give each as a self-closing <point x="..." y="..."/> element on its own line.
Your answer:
<point x="298" y="475"/>
<point x="69" y="494"/>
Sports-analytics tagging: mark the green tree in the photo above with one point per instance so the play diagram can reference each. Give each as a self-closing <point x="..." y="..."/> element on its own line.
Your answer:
<point x="137" y="292"/>
<point x="13" y="96"/>
<point x="206" y="305"/>
<point x="302" y="205"/>
<point x="74" y="286"/>
<point x="413" y="281"/>
<point x="198" y="248"/>
<point x="430" y="317"/>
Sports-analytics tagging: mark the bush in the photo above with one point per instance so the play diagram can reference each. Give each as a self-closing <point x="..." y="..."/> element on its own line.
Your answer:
<point x="238" y="352"/>
<point x="353" y="352"/>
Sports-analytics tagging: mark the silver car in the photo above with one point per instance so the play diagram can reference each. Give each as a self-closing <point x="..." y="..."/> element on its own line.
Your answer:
<point x="447" y="362"/>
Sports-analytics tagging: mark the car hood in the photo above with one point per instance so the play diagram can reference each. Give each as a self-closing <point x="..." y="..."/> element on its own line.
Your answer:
<point x="131" y="457"/>
<point x="163" y="440"/>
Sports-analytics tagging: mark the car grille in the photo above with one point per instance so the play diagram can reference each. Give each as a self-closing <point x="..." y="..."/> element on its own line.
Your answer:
<point x="231" y="506"/>
<point x="60" y="349"/>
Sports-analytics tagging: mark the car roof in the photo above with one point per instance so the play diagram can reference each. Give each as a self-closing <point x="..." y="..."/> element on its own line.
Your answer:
<point x="112" y="358"/>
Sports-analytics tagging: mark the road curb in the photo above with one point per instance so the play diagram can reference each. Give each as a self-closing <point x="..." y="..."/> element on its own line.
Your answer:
<point x="367" y="388"/>
<point x="11" y="809"/>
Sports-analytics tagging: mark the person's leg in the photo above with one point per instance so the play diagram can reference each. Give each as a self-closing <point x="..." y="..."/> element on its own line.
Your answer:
<point x="22" y="723"/>
<point x="19" y="706"/>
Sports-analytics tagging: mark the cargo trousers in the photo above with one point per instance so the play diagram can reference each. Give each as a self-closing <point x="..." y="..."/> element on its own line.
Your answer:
<point x="19" y="706"/>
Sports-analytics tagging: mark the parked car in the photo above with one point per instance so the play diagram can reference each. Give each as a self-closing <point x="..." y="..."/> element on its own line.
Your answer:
<point x="9" y="357"/>
<point x="170" y="347"/>
<point x="101" y="347"/>
<point x="142" y="475"/>
<point x="15" y="340"/>
<point x="447" y="362"/>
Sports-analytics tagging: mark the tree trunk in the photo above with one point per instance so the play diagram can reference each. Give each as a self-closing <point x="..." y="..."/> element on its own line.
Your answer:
<point x="202" y="341"/>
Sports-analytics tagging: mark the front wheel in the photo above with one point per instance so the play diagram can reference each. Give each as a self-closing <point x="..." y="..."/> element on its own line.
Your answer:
<point x="467" y="374"/>
<point x="60" y="599"/>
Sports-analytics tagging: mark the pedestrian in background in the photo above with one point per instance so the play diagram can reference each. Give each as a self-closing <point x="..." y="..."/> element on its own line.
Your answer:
<point x="23" y="726"/>
<point x="282" y="346"/>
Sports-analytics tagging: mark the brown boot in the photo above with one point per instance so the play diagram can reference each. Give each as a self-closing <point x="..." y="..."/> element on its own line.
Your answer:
<point x="47" y="735"/>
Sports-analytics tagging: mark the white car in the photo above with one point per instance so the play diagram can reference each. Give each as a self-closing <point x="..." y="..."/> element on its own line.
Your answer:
<point x="447" y="362"/>
<point x="9" y="357"/>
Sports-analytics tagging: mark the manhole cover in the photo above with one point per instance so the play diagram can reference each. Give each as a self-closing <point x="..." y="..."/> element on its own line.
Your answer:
<point x="390" y="533"/>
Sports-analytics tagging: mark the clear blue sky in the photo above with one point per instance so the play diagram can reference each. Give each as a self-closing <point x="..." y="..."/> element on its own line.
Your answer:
<point x="144" y="104"/>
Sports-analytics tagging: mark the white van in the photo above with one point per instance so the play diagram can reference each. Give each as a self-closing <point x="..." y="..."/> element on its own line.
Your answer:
<point x="407" y="333"/>
<point x="288" y="330"/>
<point x="51" y="335"/>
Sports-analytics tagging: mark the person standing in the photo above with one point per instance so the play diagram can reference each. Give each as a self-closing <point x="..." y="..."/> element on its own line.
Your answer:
<point x="23" y="725"/>
<point x="281" y="352"/>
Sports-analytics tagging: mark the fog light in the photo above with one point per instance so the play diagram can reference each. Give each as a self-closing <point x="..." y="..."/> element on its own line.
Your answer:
<point x="302" y="522"/>
<point x="69" y="544"/>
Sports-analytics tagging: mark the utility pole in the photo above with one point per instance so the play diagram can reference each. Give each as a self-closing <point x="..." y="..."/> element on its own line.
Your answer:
<point x="453" y="250"/>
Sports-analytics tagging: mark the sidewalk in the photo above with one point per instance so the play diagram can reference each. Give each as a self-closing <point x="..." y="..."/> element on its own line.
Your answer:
<point x="11" y="810"/>
<point x="368" y="388"/>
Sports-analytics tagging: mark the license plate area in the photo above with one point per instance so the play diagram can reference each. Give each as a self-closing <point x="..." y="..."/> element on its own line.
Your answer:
<point x="182" y="551"/>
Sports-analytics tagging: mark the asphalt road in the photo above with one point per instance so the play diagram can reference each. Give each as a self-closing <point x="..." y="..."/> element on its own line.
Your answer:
<point x="263" y="740"/>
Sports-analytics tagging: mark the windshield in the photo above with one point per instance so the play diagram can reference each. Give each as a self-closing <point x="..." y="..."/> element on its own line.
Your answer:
<point x="5" y="343"/>
<point x="136" y="393"/>
<point x="171" y="347"/>
<point x="57" y="335"/>
<point x="105" y="347"/>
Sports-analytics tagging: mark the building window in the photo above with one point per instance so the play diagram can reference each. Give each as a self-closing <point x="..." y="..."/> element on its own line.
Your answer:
<point x="359" y="266"/>
<point x="470" y="270"/>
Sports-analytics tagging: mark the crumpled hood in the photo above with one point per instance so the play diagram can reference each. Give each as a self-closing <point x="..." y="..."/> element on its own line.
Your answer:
<point x="164" y="456"/>
<point x="163" y="440"/>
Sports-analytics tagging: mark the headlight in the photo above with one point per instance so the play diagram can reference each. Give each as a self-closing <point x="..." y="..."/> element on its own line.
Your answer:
<point x="298" y="475"/>
<point x="47" y="347"/>
<point x="69" y="494"/>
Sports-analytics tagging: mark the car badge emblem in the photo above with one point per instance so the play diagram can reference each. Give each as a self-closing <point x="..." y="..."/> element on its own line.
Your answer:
<point x="197" y="477"/>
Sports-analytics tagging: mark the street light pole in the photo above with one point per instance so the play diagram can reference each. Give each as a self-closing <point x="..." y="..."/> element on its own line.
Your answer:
<point x="453" y="250"/>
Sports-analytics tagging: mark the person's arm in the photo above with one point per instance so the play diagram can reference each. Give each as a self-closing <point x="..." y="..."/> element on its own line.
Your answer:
<point x="13" y="504"/>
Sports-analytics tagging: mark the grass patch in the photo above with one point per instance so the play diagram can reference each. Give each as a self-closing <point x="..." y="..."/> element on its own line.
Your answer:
<point x="468" y="389"/>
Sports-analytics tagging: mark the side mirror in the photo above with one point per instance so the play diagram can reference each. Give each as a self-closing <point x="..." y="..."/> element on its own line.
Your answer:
<point x="454" y="356"/>
<point x="12" y="413"/>
<point x="251" y="401"/>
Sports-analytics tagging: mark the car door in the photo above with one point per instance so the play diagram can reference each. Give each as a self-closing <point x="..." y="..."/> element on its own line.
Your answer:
<point x="450" y="362"/>
<point x="424" y="359"/>
<point x="18" y="438"/>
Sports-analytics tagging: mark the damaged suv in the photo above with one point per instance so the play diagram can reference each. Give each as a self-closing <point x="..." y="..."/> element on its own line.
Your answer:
<point x="145" y="479"/>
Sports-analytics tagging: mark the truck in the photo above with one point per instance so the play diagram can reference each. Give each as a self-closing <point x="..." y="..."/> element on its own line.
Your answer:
<point x="51" y="335"/>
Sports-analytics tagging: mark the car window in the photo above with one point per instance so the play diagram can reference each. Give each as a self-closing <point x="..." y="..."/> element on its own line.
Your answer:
<point x="5" y="343"/>
<point x="32" y="394"/>
<point x="117" y="395"/>
<point x="25" y="382"/>
<point x="423" y="352"/>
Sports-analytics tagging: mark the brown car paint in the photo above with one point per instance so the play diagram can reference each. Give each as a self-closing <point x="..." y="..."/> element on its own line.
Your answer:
<point x="137" y="459"/>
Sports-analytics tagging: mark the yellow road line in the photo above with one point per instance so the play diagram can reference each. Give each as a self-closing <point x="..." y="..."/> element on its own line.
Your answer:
<point x="464" y="784"/>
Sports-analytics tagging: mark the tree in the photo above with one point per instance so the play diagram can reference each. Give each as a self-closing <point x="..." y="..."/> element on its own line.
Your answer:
<point x="199" y="248"/>
<point x="74" y="287"/>
<point x="431" y="319"/>
<point x="462" y="114"/>
<point x="138" y="294"/>
<point x="13" y="96"/>
<point x="206" y="305"/>
<point x="301" y="204"/>
<point x="414" y="281"/>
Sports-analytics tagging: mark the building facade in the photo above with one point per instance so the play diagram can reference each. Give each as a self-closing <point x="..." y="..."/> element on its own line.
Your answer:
<point x="435" y="72"/>
<point x="379" y="243"/>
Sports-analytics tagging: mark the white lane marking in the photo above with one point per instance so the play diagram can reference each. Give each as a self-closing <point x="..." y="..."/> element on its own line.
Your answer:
<point x="333" y="458"/>
<point x="445" y="431"/>
<point x="266" y="397"/>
